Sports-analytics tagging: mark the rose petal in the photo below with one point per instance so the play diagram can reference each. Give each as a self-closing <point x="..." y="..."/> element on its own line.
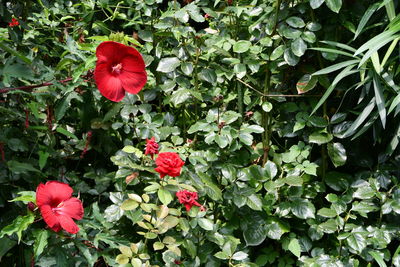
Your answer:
<point x="73" y="208"/>
<point x="68" y="224"/>
<point x="52" y="193"/>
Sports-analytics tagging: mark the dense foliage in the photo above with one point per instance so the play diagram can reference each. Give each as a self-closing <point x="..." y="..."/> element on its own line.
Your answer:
<point x="283" y="112"/>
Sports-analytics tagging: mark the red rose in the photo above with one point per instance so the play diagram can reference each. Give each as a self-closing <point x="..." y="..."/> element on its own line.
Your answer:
<point x="151" y="147"/>
<point x="119" y="68"/>
<point x="57" y="206"/>
<point x="13" y="23"/>
<point x="188" y="199"/>
<point x="169" y="163"/>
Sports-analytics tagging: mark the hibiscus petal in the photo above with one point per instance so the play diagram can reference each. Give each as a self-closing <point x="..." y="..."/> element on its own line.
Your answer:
<point x="133" y="62"/>
<point x="68" y="224"/>
<point x="109" y="85"/>
<point x="133" y="82"/>
<point x="52" y="193"/>
<point x="110" y="51"/>
<point x="49" y="217"/>
<point x="73" y="208"/>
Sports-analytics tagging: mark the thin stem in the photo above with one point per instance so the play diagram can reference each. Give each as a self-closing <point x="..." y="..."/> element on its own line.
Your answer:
<point x="30" y="87"/>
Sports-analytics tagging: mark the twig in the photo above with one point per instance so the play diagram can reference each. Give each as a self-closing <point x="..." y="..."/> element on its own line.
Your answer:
<point x="87" y="78"/>
<point x="30" y="87"/>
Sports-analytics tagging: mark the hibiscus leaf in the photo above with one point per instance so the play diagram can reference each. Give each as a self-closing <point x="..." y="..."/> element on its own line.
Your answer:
<point x="20" y="224"/>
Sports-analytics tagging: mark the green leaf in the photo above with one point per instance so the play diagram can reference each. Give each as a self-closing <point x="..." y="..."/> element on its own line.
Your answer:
<point x="290" y="58"/>
<point x="13" y="52"/>
<point x="335" y="67"/>
<point x="316" y="3"/>
<point x="221" y="255"/>
<point x="345" y="72"/>
<point x="277" y="53"/>
<point x="356" y="241"/>
<point x="40" y="244"/>
<point x="208" y="75"/>
<point x="168" y="64"/>
<point x="43" y="156"/>
<point x="165" y="196"/>
<point x="380" y="100"/>
<point x="298" y="47"/>
<point x="302" y="208"/>
<point x="254" y="202"/>
<point x="320" y="137"/>
<point x="295" y="22"/>
<point x="206" y="224"/>
<point x="20" y="167"/>
<point x="361" y="118"/>
<point x="66" y="133"/>
<point x="334" y="5"/>
<point x="180" y="96"/>
<point x="378" y="258"/>
<point x="293" y="180"/>
<point x="241" y="46"/>
<point x="21" y="223"/>
<point x="337" y="153"/>
<point x="25" y="196"/>
<point x="129" y="204"/>
<point x="239" y="256"/>
<point x="306" y="83"/>
<point x="326" y="212"/>
<point x="294" y="247"/>
<point x="367" y="15"/>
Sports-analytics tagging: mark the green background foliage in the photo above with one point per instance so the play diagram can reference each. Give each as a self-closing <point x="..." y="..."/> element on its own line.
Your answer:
<point x="285" y="113"/>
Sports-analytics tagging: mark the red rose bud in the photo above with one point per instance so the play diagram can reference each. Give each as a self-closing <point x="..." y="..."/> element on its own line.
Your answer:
<point x="188" y="199"/>
<point x="206" y="16"/>
<point x="31" y="206"/>
<point x="119" y="69"/>
<point x="169" y="163"/>
<point x="151" y="147"/>
<point x="58" y="207"/>
<point x="177" y="262"/>
<point x="13" y="23"/>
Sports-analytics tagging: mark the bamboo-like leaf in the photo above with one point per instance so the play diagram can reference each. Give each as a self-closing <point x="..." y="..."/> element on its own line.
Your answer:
<point x="394" y="104"/>
<point x="345" y="72"/>
<point x="332" y="50"/>
<point x="335" y="67"/>
<point x="361" y="118"/>
<point x="367" y="15"/>
<point x="376" y="62"/>
<point x="380" y="100"/>
<point x="376" y="46"/>
<point x="393" y="143"/>
<point x="389" y="51"/>
<point x="340" y="45"/>
<point x="367" y="125"/>
<point x="389" y="81"/>
<point x="390" y="10"/>
<point x="377" y="41"/>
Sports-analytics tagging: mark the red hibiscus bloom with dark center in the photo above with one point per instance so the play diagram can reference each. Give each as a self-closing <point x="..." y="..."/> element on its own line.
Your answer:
<point x="151" y="147"/>
<point x="57" y="206"/>
<point x="119" y="69"/>
<point x="188" y="199"/>
<point x="169" y="163"/>
<point x="13" y="23"/>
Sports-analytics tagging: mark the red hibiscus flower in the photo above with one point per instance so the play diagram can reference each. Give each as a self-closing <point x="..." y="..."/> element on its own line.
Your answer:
<point x="119" y="68"/>
<point x="188" y="199"/>
<point x="13" y="23"/>
<point x="57" y="206"/>
<point x="169" y="163"/>
<point x="151" y="147"/>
